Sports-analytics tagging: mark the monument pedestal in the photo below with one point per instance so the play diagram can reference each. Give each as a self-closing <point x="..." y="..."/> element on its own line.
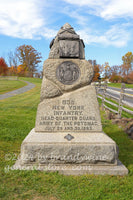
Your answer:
<point x="86" y="153"/>
<point x="68" y="134"/>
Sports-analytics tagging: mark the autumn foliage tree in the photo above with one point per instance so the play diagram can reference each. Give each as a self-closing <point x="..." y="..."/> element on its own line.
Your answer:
<point x="127" y="63"/>
<point x="127" y="67"/>
<point x="130" y="77"/>
<point x="3" y="67"/>
<point x="115" y="75"/>
<point x="29" y="58"/>
<point x="12" y="71"/>
<point x="96" y="70"/>
<point x="107" y="70"/>
<point x="21" y="70"/>
<point x="124" y="72"/>
<point x="96" y="73"/>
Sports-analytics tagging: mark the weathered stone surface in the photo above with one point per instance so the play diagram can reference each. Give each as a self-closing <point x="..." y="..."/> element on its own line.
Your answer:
<point x="68" y="36"/>
<point x="69" y="49"/>
<point x="81" y="49"/>
<point x="67" y="44"/>
<point x="76" y="169"/>
<point x="87" y="154"/>
<point x="86" y="73"/>
<point x="67" y="28"/>
<point x="76" y="111"/>
<point x="85" y="148"/>
<point x="49" y="90"/>
<point x="54" y="52"/>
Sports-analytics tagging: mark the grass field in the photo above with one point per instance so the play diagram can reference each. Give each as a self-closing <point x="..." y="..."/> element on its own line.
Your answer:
<point x="17" y="118"/>
<point x="118" y="85"/>
<point x="8" y="85"/>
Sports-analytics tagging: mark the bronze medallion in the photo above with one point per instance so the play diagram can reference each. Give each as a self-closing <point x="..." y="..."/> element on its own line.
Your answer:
<point x="67" y="73"/>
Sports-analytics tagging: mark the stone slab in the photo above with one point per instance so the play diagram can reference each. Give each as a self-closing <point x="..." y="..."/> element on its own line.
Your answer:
<point x="86" y="72"/>
<point x="91" y="137"/>
<point x="76" y="111"/>
<point x="41" y="143"/>
<point x="118" y="170"/>
<point x="85" y="148"/>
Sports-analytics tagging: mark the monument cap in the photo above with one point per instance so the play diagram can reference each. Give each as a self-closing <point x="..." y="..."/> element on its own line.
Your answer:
<point x="67" y="44"/>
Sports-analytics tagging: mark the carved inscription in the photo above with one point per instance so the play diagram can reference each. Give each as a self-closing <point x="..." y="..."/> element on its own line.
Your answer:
<point x="68" y="117"/>
<point x="69" y="48"/>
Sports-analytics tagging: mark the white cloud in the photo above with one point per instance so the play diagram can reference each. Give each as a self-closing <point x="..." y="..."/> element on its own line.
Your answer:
<point x="22" y="18"/>
<point x="116" y="36"/>
<point x="107" y="9"/>
<point x="48" y="33"/>
<point x="90" y="3"/>
<point x="117" y="9"/>
<point x="74" y="14"/>
<point x="28" y="19"/>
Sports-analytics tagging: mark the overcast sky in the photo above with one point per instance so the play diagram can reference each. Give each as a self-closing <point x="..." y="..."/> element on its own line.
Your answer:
<point x="105" y="26"/>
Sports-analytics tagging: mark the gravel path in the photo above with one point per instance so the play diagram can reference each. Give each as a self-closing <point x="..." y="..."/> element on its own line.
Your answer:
<point x="18" y="91"/>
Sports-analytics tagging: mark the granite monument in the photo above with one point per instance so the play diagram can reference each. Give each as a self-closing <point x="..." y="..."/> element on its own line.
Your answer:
<point x="68" y="134"/>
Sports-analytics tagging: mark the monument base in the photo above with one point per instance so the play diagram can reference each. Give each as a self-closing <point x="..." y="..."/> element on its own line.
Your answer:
<point x="118" y="170"/>
<point x="70" y="154"/>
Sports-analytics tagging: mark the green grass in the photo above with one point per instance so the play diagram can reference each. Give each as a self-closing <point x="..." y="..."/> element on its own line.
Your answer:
<point x="118" y="85"/>
<point x="8" y="85"/>
<point x="32" y="80"/>
<point x="17" y="118"/>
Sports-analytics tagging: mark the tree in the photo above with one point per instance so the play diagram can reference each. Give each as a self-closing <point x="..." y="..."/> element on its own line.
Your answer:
<point x="22" y="70"/>
<point x="28" y="57"/>
<point x="13" y="59"/>
<point x="97" y="68"/>
<point x="12" y="71"/>
<point x="3" y="67"/>
<point x="127" y="63"/>
<point x="130" y="77"/>
<point x="107" y="70"/>
<point x="115" y="78"/>
<point x="96" y="73"/>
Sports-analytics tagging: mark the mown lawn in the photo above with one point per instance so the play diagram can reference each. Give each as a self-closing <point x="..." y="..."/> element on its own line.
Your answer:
<point x="118" y="85"/>
<point x="8" y="85"/>
<point x="17" y="118"/>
